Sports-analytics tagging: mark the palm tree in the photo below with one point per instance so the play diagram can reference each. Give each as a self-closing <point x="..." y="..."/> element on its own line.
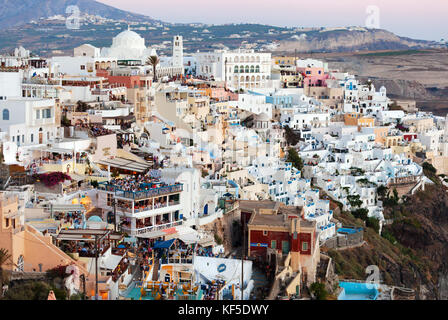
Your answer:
<point x="4" y="257"/>
<point x="153" y="61"/>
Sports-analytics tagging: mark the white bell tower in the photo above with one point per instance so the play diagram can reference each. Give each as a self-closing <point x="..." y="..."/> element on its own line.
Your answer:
<point x="178" y="52"/>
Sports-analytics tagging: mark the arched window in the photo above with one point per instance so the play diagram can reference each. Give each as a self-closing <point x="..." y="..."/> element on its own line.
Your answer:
<point x="257" y="69"/>
<point x="5" y="114"/>
<point x="241" y="69"/>
<point x="252" y="69"/>
<point x="247" y="69"/>
<point x="236" y="69"/>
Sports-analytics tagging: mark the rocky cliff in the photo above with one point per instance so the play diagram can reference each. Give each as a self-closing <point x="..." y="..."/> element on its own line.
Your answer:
<point x="350" y="40"/>
<point x="412" y="252"/>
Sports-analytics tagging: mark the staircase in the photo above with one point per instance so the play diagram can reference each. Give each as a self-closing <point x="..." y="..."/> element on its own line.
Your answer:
<point x="155" y="272"/>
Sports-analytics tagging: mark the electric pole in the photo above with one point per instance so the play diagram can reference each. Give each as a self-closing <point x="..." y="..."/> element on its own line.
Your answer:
<point x="242" y="261"/>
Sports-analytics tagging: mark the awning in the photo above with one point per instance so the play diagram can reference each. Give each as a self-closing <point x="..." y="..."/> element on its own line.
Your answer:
<point x="77" y="177"/>
<point x="125" y="164"/>
<point x="164" y="244"/>
<point x="66" y="207"/>
<point x="52" y="150"/>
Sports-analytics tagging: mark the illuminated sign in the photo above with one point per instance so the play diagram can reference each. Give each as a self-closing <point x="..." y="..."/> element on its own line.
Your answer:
<point x="222" y="268"/>
<point x="263" y="245"/>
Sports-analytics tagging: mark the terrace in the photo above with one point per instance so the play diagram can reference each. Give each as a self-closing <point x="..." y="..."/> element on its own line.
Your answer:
<point x="138" y="191"/>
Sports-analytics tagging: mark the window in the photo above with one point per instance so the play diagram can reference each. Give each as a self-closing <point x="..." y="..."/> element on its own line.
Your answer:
<point x="32" y="138"/>
<point x="304" y="246"/>
<point x="5" y="114"/>
<point x="265" y="233"/>
<point x="37" y="114"/>
<point x="83" y="67"/>
<point x="274" y="244"/>
<point x="46" y="113"/>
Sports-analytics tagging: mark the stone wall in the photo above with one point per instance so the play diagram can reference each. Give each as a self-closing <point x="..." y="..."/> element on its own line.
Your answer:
<point x="345" y="240"/>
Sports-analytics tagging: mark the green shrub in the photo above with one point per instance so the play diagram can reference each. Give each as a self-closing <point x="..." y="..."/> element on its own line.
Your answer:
<point x="218" y="239"/>
<point x="318" y="289"/>
<point x="360" y="213"/>
<point x="373" y="223"/>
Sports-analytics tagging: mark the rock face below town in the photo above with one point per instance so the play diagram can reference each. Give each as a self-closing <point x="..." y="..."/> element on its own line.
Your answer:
<point x="414" y="255"/>
<point x="425" y="230"/>
<point x="351" y="40"/>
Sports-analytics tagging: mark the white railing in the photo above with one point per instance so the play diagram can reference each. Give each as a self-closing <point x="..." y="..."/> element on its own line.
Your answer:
<point x="136" y="232"/>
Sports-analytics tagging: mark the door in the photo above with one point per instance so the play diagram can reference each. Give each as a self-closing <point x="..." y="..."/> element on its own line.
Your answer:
<point x="285" y="247"/>
<point x="40" y="138"/>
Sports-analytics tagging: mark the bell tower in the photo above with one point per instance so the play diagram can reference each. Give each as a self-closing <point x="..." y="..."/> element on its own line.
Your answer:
<point x="178" y="52"/>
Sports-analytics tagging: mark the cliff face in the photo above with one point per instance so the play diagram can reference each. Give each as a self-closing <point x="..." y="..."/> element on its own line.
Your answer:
<point x="412" y="252"/>
<point x="425" y="230"/>
<point x="351" y="40"/>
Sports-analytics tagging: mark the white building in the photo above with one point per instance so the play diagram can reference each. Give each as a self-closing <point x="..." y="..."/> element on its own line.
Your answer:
<point x="128" y="45"/>
<point x="240" y="69"/>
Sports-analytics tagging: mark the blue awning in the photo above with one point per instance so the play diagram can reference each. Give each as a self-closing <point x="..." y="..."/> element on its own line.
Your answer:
<point x="164" y="244"/>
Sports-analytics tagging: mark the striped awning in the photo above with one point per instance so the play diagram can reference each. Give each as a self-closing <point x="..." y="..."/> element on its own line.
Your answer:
<point x="125" y="164"/>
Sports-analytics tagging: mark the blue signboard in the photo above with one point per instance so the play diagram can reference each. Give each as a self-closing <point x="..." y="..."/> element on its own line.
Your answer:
<point x="264" y="245"/>
<point x="222" y="268"/>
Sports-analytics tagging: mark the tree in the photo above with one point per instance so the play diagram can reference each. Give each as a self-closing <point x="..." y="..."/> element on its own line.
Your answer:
<point x="81" y="106"/>
<point x="373" y="223"/>
<point x="360" y="213"/>
<point x="295" y="159"/>
<point x="319" y="291"/>
<point x="34" y="290"/>
<point x="291" y="138"/>
<point x="153" y="61"/>
<point x="4" y="258"/>
<point x="381" y="191"/>
<point x="354" y="201"/>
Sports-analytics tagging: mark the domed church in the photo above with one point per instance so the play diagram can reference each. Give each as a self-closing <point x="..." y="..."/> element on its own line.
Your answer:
<point x="128" y="45"/>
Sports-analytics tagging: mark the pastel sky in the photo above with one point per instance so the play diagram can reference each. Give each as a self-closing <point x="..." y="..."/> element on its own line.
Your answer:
<point x="419" y="19"/>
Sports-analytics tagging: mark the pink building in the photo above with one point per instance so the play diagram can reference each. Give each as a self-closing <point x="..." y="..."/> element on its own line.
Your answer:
<point x="313" y="76"/>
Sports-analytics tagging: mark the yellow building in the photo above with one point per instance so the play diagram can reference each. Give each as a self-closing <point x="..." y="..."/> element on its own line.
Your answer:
<point x="284" y="60"/>
<point x="391" y="141"/>
<point x="380" y="134"/>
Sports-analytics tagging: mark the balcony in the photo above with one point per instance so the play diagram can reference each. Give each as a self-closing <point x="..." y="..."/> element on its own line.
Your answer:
<point x="146" y="230"/>
<point x="143" y="194"/>
<point x="140" y="209"/>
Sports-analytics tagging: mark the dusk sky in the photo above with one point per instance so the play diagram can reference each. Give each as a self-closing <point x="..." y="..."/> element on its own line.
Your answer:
<point x="411" y="18"/>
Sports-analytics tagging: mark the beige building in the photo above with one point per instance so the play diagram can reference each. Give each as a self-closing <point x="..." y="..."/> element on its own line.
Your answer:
<point x="30" y="250"/>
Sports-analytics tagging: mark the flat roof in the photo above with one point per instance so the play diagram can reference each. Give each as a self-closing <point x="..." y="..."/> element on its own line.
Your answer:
<point x="271" y="220"/>
<point x="67" y="207"/>
<point x="250" y="205"/>
<point x="87" y="234"/>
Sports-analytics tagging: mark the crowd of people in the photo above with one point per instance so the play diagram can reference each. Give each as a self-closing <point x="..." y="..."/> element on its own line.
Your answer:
<point x="84" y="249"/>
<point x="138" y="183"/>
<point x="211" y="290"/>
<point x="97" y="131"/>
<point x="76" y="219"/>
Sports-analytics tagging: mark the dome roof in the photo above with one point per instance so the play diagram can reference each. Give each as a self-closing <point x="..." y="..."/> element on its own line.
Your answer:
<point x="95" y="219"/>
<point x="128" y="35"/>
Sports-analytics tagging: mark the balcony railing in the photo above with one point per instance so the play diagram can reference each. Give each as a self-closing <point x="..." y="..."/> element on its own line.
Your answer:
<point x="142" y="231"/>
<point x="139" y="209"/>
<point x="144" y="194"/>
